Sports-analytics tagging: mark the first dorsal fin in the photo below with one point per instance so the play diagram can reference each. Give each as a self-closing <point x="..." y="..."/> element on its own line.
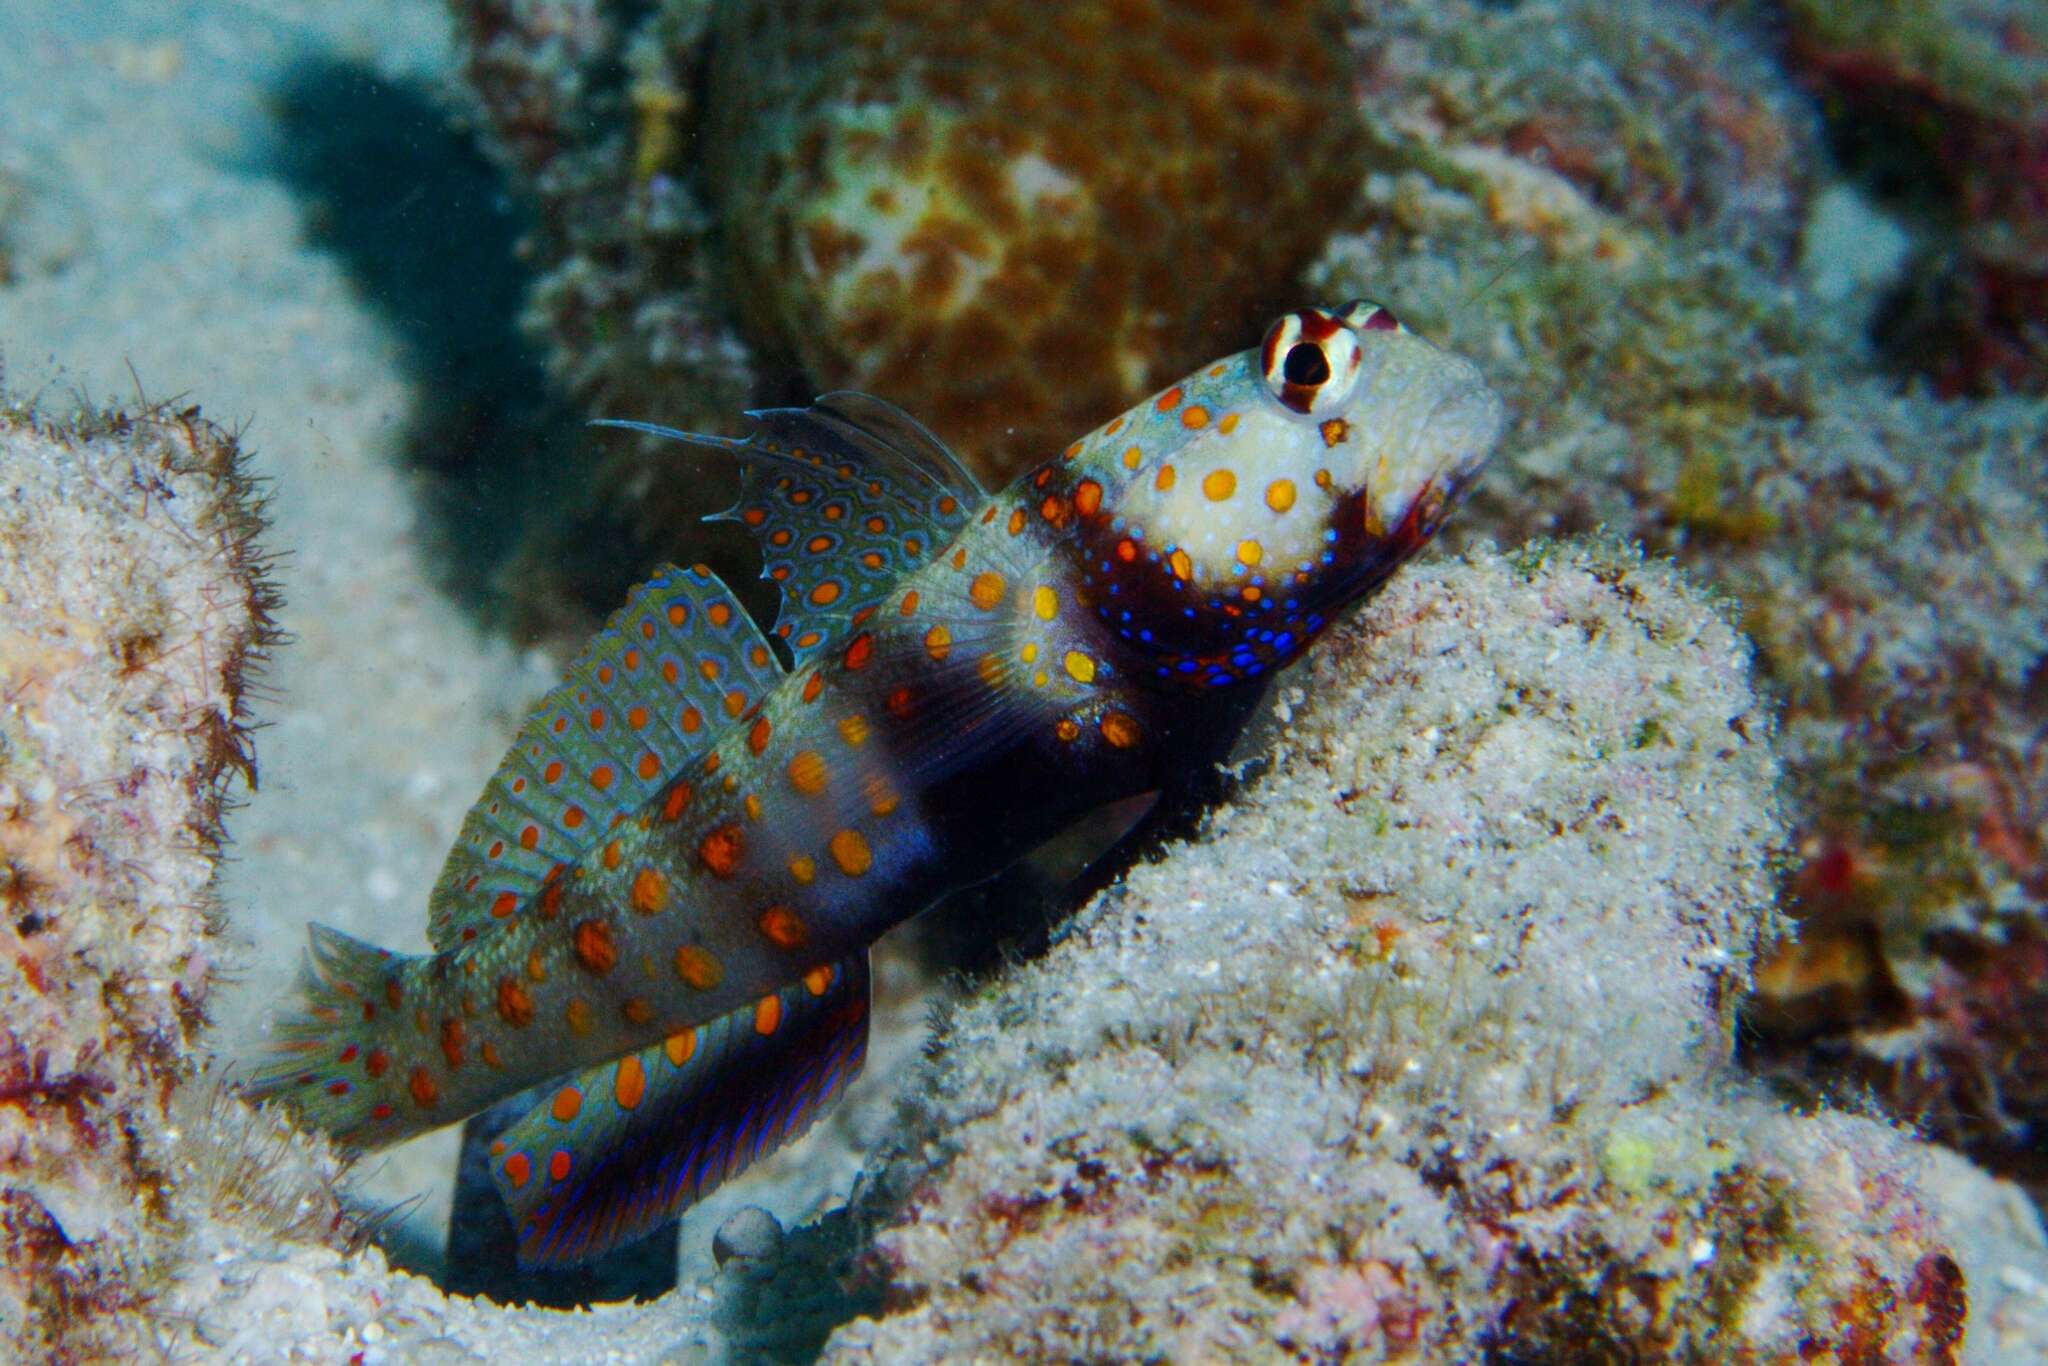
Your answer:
<point x="671" y="669"/>
<point x="621" y="1148"/>
<point x="845" y="497"/>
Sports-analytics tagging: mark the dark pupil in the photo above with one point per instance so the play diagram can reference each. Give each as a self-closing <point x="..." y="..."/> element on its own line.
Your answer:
<point x="1305" y="365"/>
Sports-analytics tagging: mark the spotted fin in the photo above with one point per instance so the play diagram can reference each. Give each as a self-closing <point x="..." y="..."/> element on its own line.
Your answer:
<point x="624" y="1147"/>
<point x="845" y="497"/>
<point x="668" y="672"/>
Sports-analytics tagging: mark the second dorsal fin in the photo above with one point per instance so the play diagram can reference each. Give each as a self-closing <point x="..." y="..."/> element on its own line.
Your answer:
<point x="845" y="497"/>
<point x="672" y="668"/>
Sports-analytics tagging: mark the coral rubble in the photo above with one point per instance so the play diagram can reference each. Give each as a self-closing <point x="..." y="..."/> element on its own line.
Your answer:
<point x="1421" y="1051"/>
<point x="133" y="602"/>
<point x="1679" y="379"/>
<point x="1945" y="104"/>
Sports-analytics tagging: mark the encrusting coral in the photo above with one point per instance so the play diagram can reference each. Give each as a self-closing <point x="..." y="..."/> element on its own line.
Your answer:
<point x="1420" y="1051"/>
<point x="133" y="604"/>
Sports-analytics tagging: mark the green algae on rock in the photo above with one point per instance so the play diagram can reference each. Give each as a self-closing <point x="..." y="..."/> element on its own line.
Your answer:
<point x="1420" y="1051"/>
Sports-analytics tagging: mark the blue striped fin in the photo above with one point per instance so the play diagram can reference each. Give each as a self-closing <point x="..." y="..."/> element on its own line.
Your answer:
<point x="623" y="1147"/>
<point x="674" y="667"/>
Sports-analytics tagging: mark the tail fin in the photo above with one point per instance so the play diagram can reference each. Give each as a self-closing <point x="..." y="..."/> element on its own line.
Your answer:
<point x="326" y="1055"/>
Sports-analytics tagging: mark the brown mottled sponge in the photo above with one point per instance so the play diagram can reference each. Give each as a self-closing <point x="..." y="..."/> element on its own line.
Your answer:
<point x="1013" y="220"/>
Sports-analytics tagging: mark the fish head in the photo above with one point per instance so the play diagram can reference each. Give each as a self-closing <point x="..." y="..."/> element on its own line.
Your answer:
<point x="1242" y="509"/>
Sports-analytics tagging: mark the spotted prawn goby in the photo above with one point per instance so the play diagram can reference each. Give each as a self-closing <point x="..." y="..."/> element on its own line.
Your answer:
<point x="664" y="899"/>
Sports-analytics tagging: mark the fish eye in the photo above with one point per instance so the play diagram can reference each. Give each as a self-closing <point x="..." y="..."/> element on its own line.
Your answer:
<point x="1311" y="361"/>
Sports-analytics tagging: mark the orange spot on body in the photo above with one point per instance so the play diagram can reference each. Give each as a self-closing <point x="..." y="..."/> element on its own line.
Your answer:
<point x="1126" y="551"/>
<point x="818" y="980"/>
<point x="860" y="651"/>
<point x="1120" y="730"/>
<point x="986" y="592"/>
<point x="518" y="1170"/>
<point x="678" y="613"/>
<point x="692" y="720"/>
<point x="735" y="702"/>
<point x="568" y="1104"/>
<point x="909" y="607"/>
<point x="680" y="1047"/>
<point x="1088" y="498"/>
<point x="813" y="685"/>
<point x="826" y="593"/>
<point x="515" y="1007"/>
<point x="612" y="853"/>
<point x="637" y="1011"/>
<point x="1066" y="729"/>
<point x="721" y="851"/>
<point x="752" y="805"/>
<point x="629" y="1082"/>
<point x="1228" y="424"/>
<point x="720" y="614"/>
<point x="1017" y="522"/>
<point x="783" y="928"/>
<point x="698" y="969"/>
<point x="1335" y="430"/>
<point x="676" y="802"/>
<point x="1167" y="399"/>
<point x="850" y="851"/>
<point x="767" y="1015"/>
<point x="1280" y="495"/>
<point x="1194" y="417"/>
<point x="1182" y="566"/>
<point x="1249" y="553"/>
<point x="597" y="718"/>
<point x="1132" y="457"/>
<point x="426" y="1092"/>
<point x="558" y="1165"/>
<point x="1164" y="479"/>
<point x="758" y="733"/>
<point x="595" y="948"/>
<point x="938" y="643"/>
<point x="573" y="817"/>
<point x="648" y="767"/>
<point x="577" y="1016"/>
<point x="1218" y="485"/>
<point x="376" y="1062"/>
<point x="807" y="772"/>
<point x="503" y="905"/>
<point x="529" y="837"/>
<point x="803" y="868"/>
<point x="636" y="718"/>
<point x="854" y="730"/>
<point x="1080" y="667"/>
<point x="601" y="777"/>
<point x="649" y="893"/>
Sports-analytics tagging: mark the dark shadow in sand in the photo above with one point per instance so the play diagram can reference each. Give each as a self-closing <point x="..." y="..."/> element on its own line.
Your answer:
<point x="408" y="205"/>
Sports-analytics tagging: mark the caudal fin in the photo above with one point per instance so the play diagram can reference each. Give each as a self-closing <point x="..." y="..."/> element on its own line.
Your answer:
<point x="328" y="1055"/>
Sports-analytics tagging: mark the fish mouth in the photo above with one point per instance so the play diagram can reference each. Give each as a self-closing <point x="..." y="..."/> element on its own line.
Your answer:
<point x="1465" y="426"/>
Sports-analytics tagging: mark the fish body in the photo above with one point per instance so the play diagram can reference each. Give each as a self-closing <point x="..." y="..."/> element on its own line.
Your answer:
<point x="666" y="894"/>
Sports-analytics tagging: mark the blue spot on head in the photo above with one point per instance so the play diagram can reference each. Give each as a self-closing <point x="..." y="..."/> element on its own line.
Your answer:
<point x="1145" y="636"/>
<point x="1330" y="535"/>
<point x="1283" y="641"/>
<point x="1186" y="666"/>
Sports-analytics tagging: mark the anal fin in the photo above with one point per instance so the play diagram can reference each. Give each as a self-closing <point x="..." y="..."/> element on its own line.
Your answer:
<point x="623" y="1147"/>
